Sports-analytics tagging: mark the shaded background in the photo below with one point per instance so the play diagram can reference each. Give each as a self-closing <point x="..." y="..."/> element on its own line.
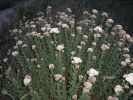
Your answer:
<point x="8" y="3"/>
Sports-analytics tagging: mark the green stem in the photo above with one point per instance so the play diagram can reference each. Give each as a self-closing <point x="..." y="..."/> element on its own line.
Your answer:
<point x="25" y="95"/>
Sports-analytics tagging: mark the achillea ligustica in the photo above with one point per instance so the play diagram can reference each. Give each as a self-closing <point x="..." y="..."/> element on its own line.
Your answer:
<point x="58" y="57"/>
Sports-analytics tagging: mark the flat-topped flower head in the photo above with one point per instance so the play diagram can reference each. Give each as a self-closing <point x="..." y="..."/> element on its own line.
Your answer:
<point x="75" y="97"/>
<point x="126" y="49"/>
<point x="118" y="89"/>
<point x="80" y="77"/>
<point x="33" y="46"/>
<point x="90" y="50"/>
<point x="19" y="42"/>
<point x="5" y="59"/>
<point x="33" y="60"/>
<point x="82" y="43"/>
<point x="104" y="14"/>
<point x="79" y="28"/>
<point x="58" y="77"/>
<point x="104" y="47"/>
<point x="94" y="11"/>
<point x="119" y="27"/>
<point x="110" y="21"/>
<point x="126" y="56"/>
<point x="38" y="34"/>
<point x="76" y="60"/>
<point x="85" y="37"/>
<point x="38" y="66"/>
<point x="92" y="72"/>
<point x="127" y="60"/>
<point x="54" y="30"/>
<point x="79" y="47"/>
<point x="65" y="26"/>
<point x="123" y="63"/>
<point x="69" y="10"/>
<point x="33" y="26"/>
<point x="24" y="45"/>
<point x="94" y="44"/>
<point x="27" y="80"/>
<point x="49" y="9"/>
<point x="14" y="53"/>
<point x="73" y="53"/>
<point x="72" y="35"/>
<point x="43" y="29"/>
<point x="129" y="78"/>
<point x="15" y="47"/>
<point x="85" y="13"/>
<point x="98" y="29"/>
<point x="87" y="87"/>
<point x="60" y="47"/>
<point x="51" y="66"/>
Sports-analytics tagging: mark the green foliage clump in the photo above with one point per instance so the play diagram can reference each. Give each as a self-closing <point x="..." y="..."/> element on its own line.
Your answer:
<point x="57" y="58"/>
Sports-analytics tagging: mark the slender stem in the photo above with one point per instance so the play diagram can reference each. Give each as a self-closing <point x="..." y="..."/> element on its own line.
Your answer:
<point x="25" y="95"/>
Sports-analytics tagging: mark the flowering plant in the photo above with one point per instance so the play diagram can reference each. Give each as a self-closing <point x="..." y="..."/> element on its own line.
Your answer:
<point x="56" y="58"/>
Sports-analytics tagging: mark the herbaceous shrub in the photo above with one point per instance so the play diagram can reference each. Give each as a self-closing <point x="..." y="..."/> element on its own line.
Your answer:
<point x="57" y="58"/>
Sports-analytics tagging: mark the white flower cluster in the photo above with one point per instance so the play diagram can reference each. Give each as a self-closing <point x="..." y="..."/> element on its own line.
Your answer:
<point x="104" y="47"/>
<point x="54" y="30"/>
<point x="27" y="80"/>
<point x="92" y="72"/>
<point x="87" y="87"/>
<point x="129" y="78"/>
<point x="98" y="29"/>
<point x="60" y="48"/>
<point x="51" y="66"/>
<point x="118" y="89"/>
<point x="59" y="78"/>
<point x="76" y="60"/>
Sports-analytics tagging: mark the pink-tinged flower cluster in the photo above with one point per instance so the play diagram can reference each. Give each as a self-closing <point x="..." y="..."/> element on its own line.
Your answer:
<point x="27" y="80"/>
<point x="129" y="78"/>
<point x="87" y="87"/>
